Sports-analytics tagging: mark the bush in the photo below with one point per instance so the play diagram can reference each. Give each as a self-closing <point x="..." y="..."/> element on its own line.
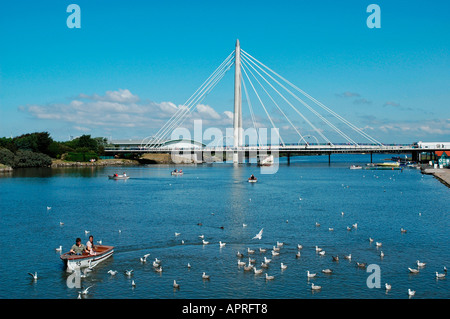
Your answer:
<point x="6" y="157"/>
<point x="31" y="159"/>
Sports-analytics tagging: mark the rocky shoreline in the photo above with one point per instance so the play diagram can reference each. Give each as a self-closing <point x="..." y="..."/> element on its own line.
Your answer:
<point x="105" y="162"/>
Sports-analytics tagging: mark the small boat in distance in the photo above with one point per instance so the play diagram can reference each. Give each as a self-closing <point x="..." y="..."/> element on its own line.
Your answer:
<point x="73" y="261"/>
<point x="117" y="176"/>
<point x="252" y="179"/>
<point x="356" y="167"/>
<point x="177" y="172"/>
<point x="265" y="161"/>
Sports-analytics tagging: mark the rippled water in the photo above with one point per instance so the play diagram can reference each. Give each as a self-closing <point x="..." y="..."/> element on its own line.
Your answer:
<point x="152" y="205"/>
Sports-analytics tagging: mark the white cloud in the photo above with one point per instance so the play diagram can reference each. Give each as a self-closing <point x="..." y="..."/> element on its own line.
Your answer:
<point x="120" y="109"/>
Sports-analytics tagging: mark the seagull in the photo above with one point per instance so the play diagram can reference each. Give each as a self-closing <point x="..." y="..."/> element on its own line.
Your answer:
<point x="85" y="291"/>
<point x="157" y="260"/>
<point x="251" y="261"/>
<point x="349" y="228"/>
<point x="275" y="253"/>
<point x="144" y="258"/>
<point x="269" y="277"/>
<point x="275" y="248"/>
<point x="266" y="260"/>
<point x="48" y="208"/>
<point x="413" y="271"/>
<point x="159" y="269"/>
<point x="259" y="235"/>
<point x="177" y="234"/>
<point x="189" y="265"/>
<point x="327" y="271"/>
<point x="440" y="276"/>
<point x="222" y="244"/>
<point x="87" y="232"/>
<point x="378" y="244"/>
<point x="99" y="242"/>
<point x="262" y="250"/>
<point x="315" y="287"/>
<point x="349" y="257"/>
<point x="155" y="264"/>
<point x="370" y="239"/>
<point x="361" y="265"/>
<point x="129" y="272"/>
<point x="59" y="248"/>
<point x="61" y="223"/>
<point x="297" y="255"/>
<point x="419" y="264"/>
<point x="240" y="255"/>
<point x="205" y="242"/>
<point x="244" y="225"/>
<point x="240" y="263"/>
<point x="201" y="236"/>
<point x="411" y="292"/>
<point x="322" y="253"/>
<point x="381" y="254"/>
<point x="355" y="225"/>
<point x="35" y="276"/>
<point x="257" y="271"/>
<point x="249" y="267"/>
<point x="317" y="224"/>
<point x="133" y="284"/>
<point x="388" y="287"/>
<point x="402" y="230"/>
<point x="330" y="228"/>
<point x="205" y="276"/>
<point x="112" y="272"/>
<point x="310" y="275"/>
<point x="264" y="265"/>
<point x="299" y="246"/>
<point x="318" y="249"/>
<point x="279" y="244"/>
<point x="335" y="258"/>
<point x="175" y="285"/>
<point x="250" y="251"/>
<point x="283" y="266"/>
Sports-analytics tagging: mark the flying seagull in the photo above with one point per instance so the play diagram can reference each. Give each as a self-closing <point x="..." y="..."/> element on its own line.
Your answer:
<point x="259" y="235"/>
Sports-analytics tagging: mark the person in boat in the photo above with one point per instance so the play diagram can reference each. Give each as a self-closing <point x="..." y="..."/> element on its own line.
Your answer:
<point x="252" y="177"/>
<point x="175" y="170"/>
<point x="78" y="248"/>
<point x="181" y="171"/>
<point x="124" y="174"/>
<point x="90" y="245"/>
<point x="115" y="175"/>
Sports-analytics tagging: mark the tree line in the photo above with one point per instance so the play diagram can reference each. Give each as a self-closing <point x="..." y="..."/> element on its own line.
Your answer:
<point x="38" y="149"/>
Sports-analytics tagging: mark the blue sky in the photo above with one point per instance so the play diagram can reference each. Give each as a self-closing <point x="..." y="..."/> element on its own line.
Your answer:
<point x="145" y="58"/>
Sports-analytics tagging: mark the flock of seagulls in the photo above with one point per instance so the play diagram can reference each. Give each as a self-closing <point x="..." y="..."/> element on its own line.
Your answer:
<point x="250" y="265"/>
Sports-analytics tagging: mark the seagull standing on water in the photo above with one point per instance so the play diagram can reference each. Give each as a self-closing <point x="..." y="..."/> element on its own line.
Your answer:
<point x="315" y="287"/>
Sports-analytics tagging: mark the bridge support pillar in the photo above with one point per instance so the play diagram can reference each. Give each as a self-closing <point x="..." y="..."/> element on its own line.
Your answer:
<point x="371" y="157"/>
<point x="329" y="158"/>
<point x="237" y="121"/>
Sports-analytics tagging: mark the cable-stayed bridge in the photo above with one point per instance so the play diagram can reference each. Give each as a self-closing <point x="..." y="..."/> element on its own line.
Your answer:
<point x="316" y="127"/>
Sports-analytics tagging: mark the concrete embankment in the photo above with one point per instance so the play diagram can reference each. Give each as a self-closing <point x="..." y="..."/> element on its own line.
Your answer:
<point x="441" y="174"/>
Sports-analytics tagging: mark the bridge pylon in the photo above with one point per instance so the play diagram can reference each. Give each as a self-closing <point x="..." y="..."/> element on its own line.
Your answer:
<point x="237" y="120"/>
